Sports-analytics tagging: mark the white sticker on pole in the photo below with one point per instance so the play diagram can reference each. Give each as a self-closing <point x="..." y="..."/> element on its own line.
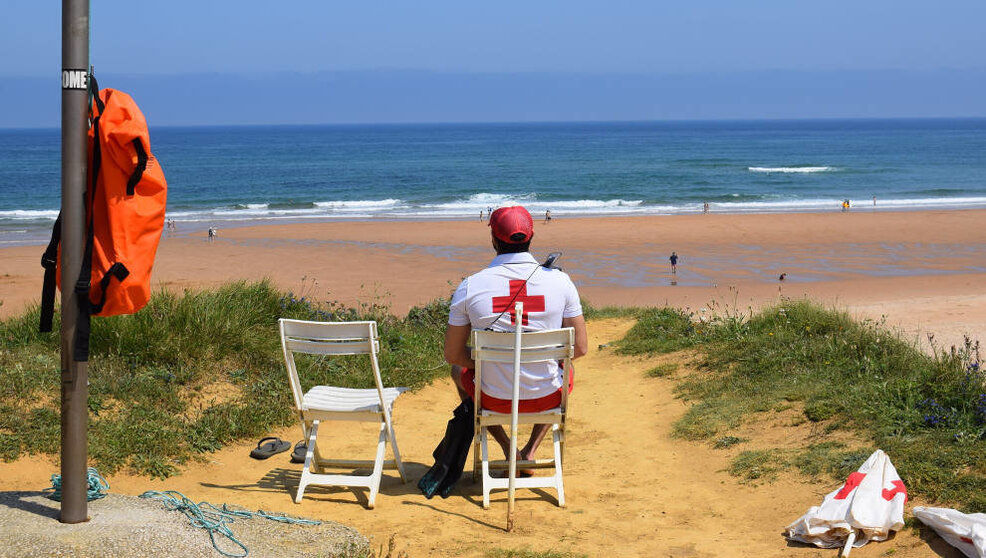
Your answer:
<point x="74" y="79"/>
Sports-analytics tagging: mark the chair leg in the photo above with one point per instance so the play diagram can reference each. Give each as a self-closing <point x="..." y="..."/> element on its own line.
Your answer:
<point x="378" y="466"/>
<point x="558" y="441"/>
<point x="317" y="459"/>
<point x="486" y="467"/>
<point x="397" y="453"/>
<point x="309" y="459"/>
<point x="561" y="428"/>
<point x="475" y="457"/>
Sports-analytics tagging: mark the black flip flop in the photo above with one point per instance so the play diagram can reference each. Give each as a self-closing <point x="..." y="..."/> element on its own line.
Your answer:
<point x="269" y="446"/>
<point x="298" y="455"/>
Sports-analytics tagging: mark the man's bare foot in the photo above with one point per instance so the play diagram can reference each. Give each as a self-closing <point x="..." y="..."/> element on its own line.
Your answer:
<point x="523" y="473"/>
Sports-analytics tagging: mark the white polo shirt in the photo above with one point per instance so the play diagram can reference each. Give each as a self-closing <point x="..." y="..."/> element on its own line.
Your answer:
<point x="548" y="296"/>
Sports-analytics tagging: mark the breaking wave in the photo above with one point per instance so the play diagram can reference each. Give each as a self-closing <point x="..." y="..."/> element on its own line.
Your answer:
<point x="790" y="169"/>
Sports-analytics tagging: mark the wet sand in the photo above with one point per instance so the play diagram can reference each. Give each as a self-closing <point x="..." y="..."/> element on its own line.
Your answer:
<point x="924" y="271"/>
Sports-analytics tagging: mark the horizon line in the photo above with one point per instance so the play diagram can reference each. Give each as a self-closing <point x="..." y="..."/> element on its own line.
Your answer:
<point x="556" y="122"/>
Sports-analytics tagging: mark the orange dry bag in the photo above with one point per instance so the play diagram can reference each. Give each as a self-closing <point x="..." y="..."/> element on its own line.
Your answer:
<point x="125" y="198"/>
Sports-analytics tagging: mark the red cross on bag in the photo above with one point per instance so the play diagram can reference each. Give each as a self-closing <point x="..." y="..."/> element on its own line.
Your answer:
<point x="518" y="293"/>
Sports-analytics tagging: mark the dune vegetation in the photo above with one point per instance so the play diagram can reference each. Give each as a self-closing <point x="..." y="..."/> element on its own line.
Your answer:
<point x="191" y="372"/>
<point x="928" y="412"/>
<point x="196" y="370"/>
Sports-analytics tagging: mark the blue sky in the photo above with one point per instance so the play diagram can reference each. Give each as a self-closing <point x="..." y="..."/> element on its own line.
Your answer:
<point x="647" y="39"/>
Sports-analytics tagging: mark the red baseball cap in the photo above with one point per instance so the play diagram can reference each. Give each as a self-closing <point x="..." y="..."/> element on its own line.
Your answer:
<point x="512" y="225"/>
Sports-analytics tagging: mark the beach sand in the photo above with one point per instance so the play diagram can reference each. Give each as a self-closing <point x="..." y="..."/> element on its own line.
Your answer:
<point x="632" y="489"/>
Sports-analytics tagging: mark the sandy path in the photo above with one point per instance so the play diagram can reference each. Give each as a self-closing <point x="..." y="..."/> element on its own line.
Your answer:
<point x="632" y="490"/>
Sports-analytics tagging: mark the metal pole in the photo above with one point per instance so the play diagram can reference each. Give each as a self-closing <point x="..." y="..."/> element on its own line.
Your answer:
<point x="75" y="375"/>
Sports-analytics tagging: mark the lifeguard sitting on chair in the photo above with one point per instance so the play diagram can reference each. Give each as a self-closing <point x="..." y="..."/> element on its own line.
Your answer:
<point x="486" y="300"/>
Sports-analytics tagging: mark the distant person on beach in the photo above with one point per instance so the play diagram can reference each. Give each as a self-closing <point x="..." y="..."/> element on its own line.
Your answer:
<point x="547" y="216"/>
<point x="705" y="207"/>
<point x="674" y="262"/>
<point x="782" y="277"/>
<point x="486" y="300"/>
<point x="845" y="205"/>
<point x="213" y="233"/>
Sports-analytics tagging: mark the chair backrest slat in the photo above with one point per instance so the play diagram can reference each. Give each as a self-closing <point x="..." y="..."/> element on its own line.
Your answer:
<point x="329" y="346"/>
<point x="547" y="336"/>
<point x="329" y="330"/>
<point x="527" y="355"/>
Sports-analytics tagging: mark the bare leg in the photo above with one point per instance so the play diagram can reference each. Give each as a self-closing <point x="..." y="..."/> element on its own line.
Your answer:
<point x="500" y="435"/>
<point x="457" y="380"/>
<point x="527" y="452"/>
<point x="537" y="434"/>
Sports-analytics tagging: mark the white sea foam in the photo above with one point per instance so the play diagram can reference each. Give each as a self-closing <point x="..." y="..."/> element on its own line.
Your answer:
<point x="791" y="169"/>
<point x="467" y="207"/>
<point x="263" y="212"/>
<point x="484" y="200"/>
<point x="29" y="214"/>
<point x="931" y="202"/>
<point x="349" y="209"/>
<point x="777" y="205"/>
<point x="358" y="204"/>
<point x="593" y="204"/>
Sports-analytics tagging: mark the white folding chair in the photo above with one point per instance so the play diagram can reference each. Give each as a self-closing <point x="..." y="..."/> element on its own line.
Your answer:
<point x="515" y="349"/>
<point x="324" y="403"/>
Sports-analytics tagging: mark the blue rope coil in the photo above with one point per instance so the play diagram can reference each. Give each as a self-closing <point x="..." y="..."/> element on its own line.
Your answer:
<point x="96" y="485"/>
<point x="216" y="520"/>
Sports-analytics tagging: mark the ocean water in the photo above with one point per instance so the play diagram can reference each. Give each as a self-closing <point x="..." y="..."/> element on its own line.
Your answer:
<point x="243" y="175"/>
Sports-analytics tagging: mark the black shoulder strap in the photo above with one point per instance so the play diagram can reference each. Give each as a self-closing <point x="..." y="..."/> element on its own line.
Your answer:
<point x="139" y="169"/>
<point x="49" y="261"/>
<point x="118" y="271"/>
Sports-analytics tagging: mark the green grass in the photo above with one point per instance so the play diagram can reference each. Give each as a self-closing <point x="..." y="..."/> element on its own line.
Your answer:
<point x="724" y="442"/>
<point x="592" y="313"/>
<point x="191" y="373"/>
<point x="663" y="370"/>
<point x="660" y="330"/>
<point x="928" y="412"/>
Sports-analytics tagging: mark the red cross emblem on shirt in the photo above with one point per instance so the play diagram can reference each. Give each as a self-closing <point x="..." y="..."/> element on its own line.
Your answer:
<point x="518" y="293"/>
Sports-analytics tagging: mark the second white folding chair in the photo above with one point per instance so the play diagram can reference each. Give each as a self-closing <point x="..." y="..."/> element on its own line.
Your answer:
<point x="331" y="403"/>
